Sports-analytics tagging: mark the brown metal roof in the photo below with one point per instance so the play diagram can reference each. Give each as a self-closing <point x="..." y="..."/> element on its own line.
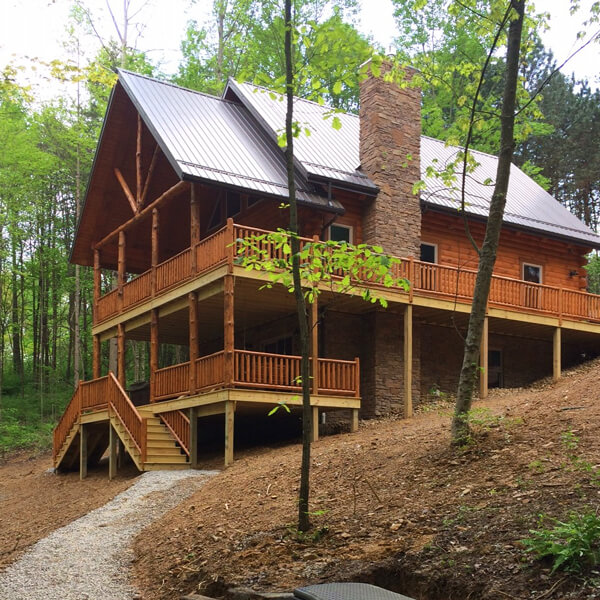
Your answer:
<point x="334" y="154"/>
<point x="210" y="139"/>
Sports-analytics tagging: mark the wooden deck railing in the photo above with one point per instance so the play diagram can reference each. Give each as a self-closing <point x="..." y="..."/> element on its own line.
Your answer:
<point x="210" y="371"/>
<point x="426" y="279"/>
<point x="178" y="423"/>
<point x="68" y="419"/>
<point x="121" y="406"/>
<point x="266" y="371"/>
<point x="339" y="377"/>
<point x="211" y="252"/>
<point x="94" y="393"/>
<point x="171" y="381"/>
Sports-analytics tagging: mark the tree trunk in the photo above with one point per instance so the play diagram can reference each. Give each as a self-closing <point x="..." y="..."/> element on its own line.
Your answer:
<point x="303" y="500"/>
<point x="487" y="257"/>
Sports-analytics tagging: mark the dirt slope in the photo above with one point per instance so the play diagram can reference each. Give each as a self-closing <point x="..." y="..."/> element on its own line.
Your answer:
<point x="400" y="507"/>
<point x="34" y="502"/>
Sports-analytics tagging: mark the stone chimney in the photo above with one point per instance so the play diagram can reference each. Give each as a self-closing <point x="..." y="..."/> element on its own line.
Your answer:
<point x="390" y="145"/>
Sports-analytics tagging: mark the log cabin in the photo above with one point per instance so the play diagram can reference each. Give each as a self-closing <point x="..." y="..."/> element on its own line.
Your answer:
<point x="180" y="177"/>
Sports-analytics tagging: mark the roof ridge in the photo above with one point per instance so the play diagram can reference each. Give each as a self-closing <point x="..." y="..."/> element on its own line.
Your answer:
<point x="325" y="106"/>
<point x="176" y="86"/>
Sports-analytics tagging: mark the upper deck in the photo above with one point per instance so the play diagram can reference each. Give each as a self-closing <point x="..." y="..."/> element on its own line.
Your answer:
<point x="431" y="285"/>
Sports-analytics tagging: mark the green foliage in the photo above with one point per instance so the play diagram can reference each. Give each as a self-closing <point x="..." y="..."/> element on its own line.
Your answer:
<point x="593" y="273"/>
<point x="571" y="545"/>
<point x="339" y="267"/>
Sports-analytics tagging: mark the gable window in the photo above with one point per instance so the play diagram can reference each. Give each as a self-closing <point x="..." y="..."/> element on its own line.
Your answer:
<point x="429" y="253"/>
<point x="234" y="204"/>
<point x="532" y="273"/>
<point x="340" y="233"/>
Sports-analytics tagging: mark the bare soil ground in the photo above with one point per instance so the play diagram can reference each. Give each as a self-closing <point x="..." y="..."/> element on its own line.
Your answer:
<point x="34" y="502"/>
<point x="397" y="506"/>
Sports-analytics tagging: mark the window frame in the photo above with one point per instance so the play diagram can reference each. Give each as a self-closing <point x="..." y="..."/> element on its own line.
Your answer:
<point x="435" y="253"/>
<point x="349" y="228"/>
<point x="529" y="264"/>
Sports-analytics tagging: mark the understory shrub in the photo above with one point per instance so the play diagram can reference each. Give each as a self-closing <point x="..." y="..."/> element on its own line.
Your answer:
<point x="571" y="545"/>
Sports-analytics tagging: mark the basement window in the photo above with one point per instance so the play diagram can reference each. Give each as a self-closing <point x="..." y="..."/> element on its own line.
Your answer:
<point x="429" y="253"/>
<point x="340" y="233"/>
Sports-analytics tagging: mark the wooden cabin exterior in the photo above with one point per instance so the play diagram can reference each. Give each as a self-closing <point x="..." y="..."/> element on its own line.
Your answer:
<point x="180" y="178"/>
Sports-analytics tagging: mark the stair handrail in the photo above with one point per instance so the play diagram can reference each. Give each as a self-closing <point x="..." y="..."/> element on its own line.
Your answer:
<point x="70" y="416"/>
<point x="140" y="424"/>
<point x="171" y="426"/>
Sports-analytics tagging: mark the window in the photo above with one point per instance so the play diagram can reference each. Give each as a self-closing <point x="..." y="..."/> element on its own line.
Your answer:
<point x="429" y="253"/>
<point x="532" y="273"/>
<point x="340" y="233"/>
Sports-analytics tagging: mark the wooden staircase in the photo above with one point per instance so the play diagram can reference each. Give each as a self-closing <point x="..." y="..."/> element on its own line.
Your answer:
<point x="162" y="452"/>
<point x="150" y="443"/>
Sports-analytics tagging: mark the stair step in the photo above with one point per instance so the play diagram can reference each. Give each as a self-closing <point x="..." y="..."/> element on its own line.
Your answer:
<point x="152" y="449"/>
<point x="150" y="466"/>
<point x="162" y="443"/>
<point x="160" y="459"/>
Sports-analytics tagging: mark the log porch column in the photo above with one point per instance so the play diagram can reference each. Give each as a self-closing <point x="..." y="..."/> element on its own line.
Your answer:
<point x="153" y="351"/>
<point x="193" y="338"/>
<point x="483" y="360"/>
<point x="154" y="253"/>
<point x="97" y="282"/>
<point x="96" y="356"/>
<point x="121" y="354"/>
<point x="314" y="347"/>
<point x="229" y="335"/>
<point x="408" y="360"/>
<point x="121" y="265"/>
<point x="194" y="226"/>
<point x="556" y="354"/>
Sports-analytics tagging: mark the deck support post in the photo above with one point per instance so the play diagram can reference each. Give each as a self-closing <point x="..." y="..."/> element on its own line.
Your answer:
<point x="154" y="252"/>
<point x="229" y="335"/>
<point x="556" y="354"/>
<point x="194" y="226"/>
<point x="193" y="415"/>
<point x="83" y="451"/>
<point x="96" y="356"/>
<point x="193" y="338"/>
<point x="408" y="360"/>
<point x="314" y="345"/>
<point x="112" y="452"/>
<point x="483" y="360"/>
<point x="354" y="421"/>
<point x="229" y="429"/>
<point x="153" y="351"/>
<point x="315" y="424"/>
<point x="121" y="454"/>
<point x="121" y="354"/>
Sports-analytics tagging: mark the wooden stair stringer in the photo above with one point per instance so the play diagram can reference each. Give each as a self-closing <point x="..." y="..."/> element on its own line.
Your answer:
<point x="66" y="444"/>
<point x="129" y="444"/>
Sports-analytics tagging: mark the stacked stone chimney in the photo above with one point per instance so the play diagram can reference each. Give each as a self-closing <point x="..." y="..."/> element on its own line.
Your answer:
<point x="390" y="143"/>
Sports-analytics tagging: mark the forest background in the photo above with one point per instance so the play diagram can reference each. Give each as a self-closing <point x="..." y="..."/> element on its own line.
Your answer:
<point x="47" y="148"/>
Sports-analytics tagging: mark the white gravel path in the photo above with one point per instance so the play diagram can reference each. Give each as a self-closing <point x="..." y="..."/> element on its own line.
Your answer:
<point x="90" y="558"/>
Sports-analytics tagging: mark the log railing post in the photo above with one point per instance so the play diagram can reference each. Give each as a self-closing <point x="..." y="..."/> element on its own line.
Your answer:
<point x="144" y="441"/>
<point x="357" y="376"/>
<point x="314" y="323"/>
<point x="560" y="305"/>
<point x="229" y="335"/>
<point x="230" y="244"/>
<point x="153" y="352"/>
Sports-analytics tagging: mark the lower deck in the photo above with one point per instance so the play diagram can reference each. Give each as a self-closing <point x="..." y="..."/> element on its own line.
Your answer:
<point x="165" y="435"/>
